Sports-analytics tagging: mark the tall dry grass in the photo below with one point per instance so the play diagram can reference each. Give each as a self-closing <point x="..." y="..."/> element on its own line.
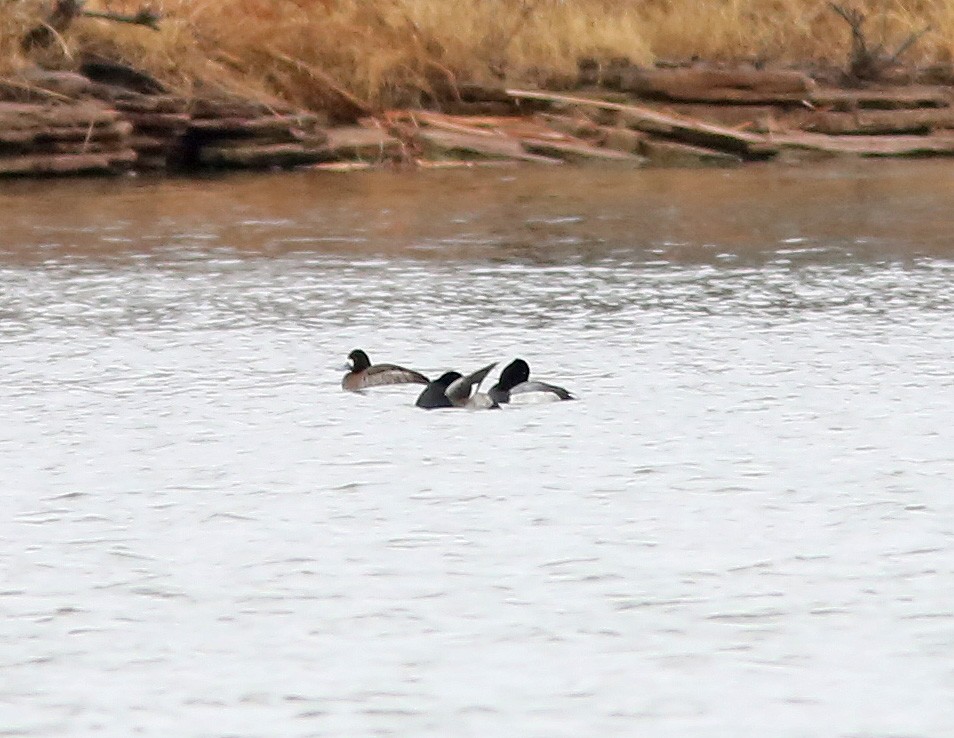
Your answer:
<point x="383" y="52"/>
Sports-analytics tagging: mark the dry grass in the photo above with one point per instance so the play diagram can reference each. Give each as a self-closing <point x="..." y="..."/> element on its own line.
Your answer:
<point x="319" y="53"/>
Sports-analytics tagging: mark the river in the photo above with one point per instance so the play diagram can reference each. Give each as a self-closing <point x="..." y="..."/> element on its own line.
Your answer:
<point x="743" y="527"/>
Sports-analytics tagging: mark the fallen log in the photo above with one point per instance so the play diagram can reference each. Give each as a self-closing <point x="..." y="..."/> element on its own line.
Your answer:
<point x="66" y="147"/>
<point x="438" y="143"/>
<point x="672" y="154"/>
<point x="578" y="127"/>
<point x="763" y="116"/>
<point x="708" y="135"/>
<point x="616" y="138"/>
<point x="358" y="142"/>
<point x="478" y="108"/>
<point x="209" y="108"/>
<point x="172" y="122"/>
<point x="99" y="163"/>
<point x="744" y="86"/>
<point x="344" y="166"/>
<point x="252" y="127"/>
<point x="942" y="145"/>
<point x="26" y="115"/>
<point x="874" y="122"/>
<point x="156" y="104"/>
<point x="113" y="131"/>
<point x="261" y="156"/>
<point x="578" y="152"/>
<point x="882" y="99"/>
<point x="145" y="144"/>
<point x="145" y="160"/>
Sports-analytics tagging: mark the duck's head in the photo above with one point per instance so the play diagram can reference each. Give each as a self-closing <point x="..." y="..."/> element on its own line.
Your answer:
<point x="359" y="360"/>
<point x="514" y="373"/>
<point x="447" y="379"/>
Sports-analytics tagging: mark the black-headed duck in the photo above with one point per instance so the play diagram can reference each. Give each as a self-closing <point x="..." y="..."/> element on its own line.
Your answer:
<point x="364" y="374"/>
<point x="515" y="383"/>
<point x="452" y="389"/>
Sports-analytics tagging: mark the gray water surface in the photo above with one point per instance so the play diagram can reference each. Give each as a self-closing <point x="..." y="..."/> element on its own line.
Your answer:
<point x="743" y="528"/>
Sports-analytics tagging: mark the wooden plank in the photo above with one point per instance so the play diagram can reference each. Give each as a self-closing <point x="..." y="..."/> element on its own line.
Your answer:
<point x="671" y="126"/>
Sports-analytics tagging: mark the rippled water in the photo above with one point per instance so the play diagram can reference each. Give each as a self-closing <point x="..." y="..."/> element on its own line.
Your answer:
<point x="744" y="528"/>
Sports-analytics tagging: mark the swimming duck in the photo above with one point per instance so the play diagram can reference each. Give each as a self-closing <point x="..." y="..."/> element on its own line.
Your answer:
<point x="451" y="389"/>
<point x="363" y="374"/>
<point x="515" y="380"/>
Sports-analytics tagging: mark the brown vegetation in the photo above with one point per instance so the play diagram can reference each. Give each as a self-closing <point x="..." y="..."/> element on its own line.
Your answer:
<point x="377" y="53"/>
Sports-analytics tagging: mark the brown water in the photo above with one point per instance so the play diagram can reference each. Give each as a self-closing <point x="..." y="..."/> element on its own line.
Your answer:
<point x="744" y="527"/>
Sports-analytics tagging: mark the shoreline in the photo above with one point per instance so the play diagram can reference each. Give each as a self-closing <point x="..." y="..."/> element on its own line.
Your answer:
<point x="112" y="119"/>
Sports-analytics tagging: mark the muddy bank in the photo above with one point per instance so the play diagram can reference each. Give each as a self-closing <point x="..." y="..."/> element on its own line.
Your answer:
<point x="110" y="120"/>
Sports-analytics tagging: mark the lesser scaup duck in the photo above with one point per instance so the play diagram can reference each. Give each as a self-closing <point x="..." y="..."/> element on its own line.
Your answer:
<point x="515" y="382"/>
<point x="452" y="389"/>
<point x="364" y="374"/>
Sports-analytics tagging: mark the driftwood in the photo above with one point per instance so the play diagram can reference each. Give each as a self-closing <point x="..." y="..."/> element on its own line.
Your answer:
<point x="700" y="84"/>
<point x="252" y="127"/>
<point x="357" y="142"/>
<point x="230" y="108"/>
<point x="581" y="153"/>
<point x="478" y="108"/>
<point x="874" y="122"/>
<point x="52" y="146"/>
<point x="156" y="104"/>
<point x="461" y="145"/>
<point x="145" y="144"/>
<point x="258" y="156"/>
<point x="696" y="132"/>
<point x="115" y="131"/>
<point x="576" y="126"/>
<point x="887" y="99"/>
<point x="942" y="145"/>
<point x="166" y="122"/>
<point x="673" y="154"/>
<point x="27" y="115"/>
<point x="344" y="166"/>
<point x="39" y="164"/>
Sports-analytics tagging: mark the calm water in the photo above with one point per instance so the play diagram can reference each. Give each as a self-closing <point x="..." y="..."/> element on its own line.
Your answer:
<point x="744" y="528"/>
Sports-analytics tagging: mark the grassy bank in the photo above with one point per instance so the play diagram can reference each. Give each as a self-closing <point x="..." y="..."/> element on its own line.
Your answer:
<point x="319" y="53"/>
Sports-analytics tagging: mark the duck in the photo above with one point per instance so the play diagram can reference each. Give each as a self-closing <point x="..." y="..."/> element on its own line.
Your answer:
<point x="515" y="380"/>
<point x="452" y="389"/>
<point x="362" y="373"/>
